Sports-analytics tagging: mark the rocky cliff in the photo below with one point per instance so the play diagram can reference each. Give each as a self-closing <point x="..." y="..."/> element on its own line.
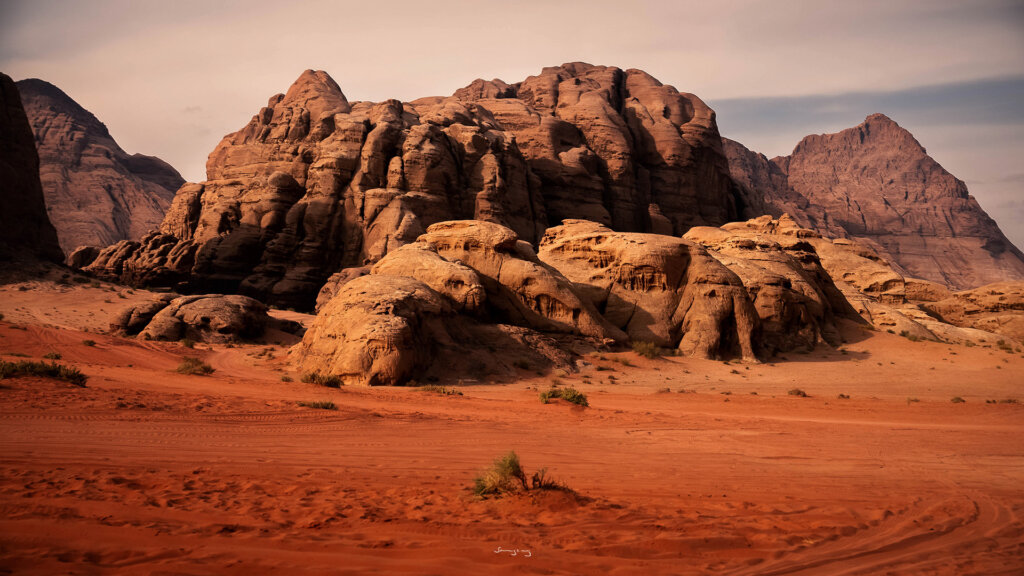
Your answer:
<point x="96" y="193"/>
<point x="24" y="226"/>
<point x="315" y="183"/>
<point x="876" y="183"/>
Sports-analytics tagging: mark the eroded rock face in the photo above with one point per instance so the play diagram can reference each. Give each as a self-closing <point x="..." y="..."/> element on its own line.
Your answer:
<point x="795" y="299"/>
<point x="376" y="330"/>
<point x="995" y="308"/>
<point x="96" y="193"/>
<point x="656" y="288"/>
<point x="521" y="289"/>
<point x="206" y="318"/>
<point x="874" y="183"/>
<point x="25" y="228"/>
<point x="615" y="146"/>
<point x="315" y="183"/>
<point x="840" y="278"/>
<point x="464" y="289"/>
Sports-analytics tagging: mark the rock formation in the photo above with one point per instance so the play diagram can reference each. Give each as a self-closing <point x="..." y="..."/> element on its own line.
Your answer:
<point x="876" y="183"/>
<point x="658" y="289"/>
<point x="747" y="290"/>
<point x="315" y="184"/>
<point x="24" y="226"/>
<point x="207" y="318"/>
<point x="96" y="193"/>
<point x="996" y="308"/>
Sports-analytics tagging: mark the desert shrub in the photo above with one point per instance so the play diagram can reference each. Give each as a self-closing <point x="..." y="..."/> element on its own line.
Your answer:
<point x="188" y="343"/>
<point x="52" y="356"/>
<point x="328" y="380"/>
<point x="568" y="394"/>
<point x="44" y="369"/>
<point x="190" y="365"/>
<point x="319" y="405"/>
<point x="970" y="344"/>
<point x="646" y="349"/>
<point x="89" y="342"/>
<point x="503" y="477"/>
<point x="1009" y="401"/>
<point x="957" y="400"/>
<point x="798" y="392"/>
<point x="844" y="396"/>
<point x="286" y="378"/>
<point x="442" y="390"/>
<point x="912" y="399"/>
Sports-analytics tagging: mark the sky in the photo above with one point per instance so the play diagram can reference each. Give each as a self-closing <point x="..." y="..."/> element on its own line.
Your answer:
<point x="171" y="78"/>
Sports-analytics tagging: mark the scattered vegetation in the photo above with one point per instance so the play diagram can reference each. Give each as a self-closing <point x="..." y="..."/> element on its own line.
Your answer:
<point x="506" y="476"/>
<point x="844" y="396"/>
<point x="798" y="392"/>
<point x="442" y="390"/>
<point x="44" y="369"/>
<point x="568" y="394"/>
<point x="286" y="378"/>
<point x="647" y="349"/>
<point x="957" y="400"/>
<point x="912" y="399"/>
<point x="328" y="380"/>
<point x="191" y="365"/>
<point x="319" y="405"/>
<point x="89" y="342"/>
<point x="1004" y="401"/>
<point x="52" y="356"/>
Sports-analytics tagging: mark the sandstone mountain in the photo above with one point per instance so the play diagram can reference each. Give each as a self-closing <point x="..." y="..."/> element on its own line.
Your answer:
<point x="96" y="193"/>
<point x="24" y="226"/>
<point x="315" y="183"/>
<point x="877" y="184"/>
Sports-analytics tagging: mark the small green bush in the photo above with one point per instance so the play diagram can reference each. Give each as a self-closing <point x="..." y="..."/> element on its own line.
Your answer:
<point x="647" y="349"/>
<point x="327" y="380"/>
<point x="319" y="405"/>
<point x="44" y="369"/>
<point x="195" y="366"/>
<point x="505" y="476"/>
<point x="568" y="394"/>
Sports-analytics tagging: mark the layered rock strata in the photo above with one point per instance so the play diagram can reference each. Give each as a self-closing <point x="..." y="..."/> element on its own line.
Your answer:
<point x="96" y="193"/>
<point x="876" y="184"/>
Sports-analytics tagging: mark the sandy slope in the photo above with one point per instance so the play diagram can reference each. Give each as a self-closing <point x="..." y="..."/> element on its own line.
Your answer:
<point x="150" y="472"/>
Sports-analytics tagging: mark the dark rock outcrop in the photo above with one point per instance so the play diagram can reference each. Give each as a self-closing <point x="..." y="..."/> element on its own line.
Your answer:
<point x="206" y="318"/>
<point x="96" y="193"/>
<point x="25" y="229"/>
<point x="875" y="183"/>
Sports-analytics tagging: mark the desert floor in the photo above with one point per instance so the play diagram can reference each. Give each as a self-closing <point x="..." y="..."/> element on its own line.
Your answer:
<point x="680" y="466"/>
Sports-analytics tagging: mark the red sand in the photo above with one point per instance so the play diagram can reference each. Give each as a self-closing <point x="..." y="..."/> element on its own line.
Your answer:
<point x="147" y="471"/>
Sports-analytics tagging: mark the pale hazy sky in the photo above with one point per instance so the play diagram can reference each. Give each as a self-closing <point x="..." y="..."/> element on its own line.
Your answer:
<point x="170" y="78"/>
